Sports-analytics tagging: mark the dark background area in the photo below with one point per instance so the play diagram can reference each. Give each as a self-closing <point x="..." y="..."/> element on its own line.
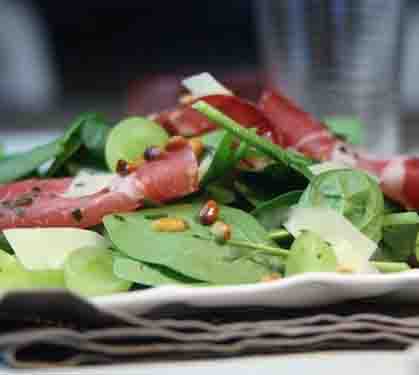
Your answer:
<point x="100" y="45"/>
<point x="101" y="51"/>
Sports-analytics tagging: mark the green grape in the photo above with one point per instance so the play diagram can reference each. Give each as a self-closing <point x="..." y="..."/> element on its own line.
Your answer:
<point x="14" y="276"/>
<point x="47" y="279"/>
<point x="130" y="137"/>
<point x="309" y="253"/>
<point x="89" y="272"/>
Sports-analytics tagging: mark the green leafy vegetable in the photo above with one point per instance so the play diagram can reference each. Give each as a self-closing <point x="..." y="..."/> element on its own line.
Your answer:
<point x="220" y="193"/>
<point x="149" y="274"/>
<point x="352" y="193"/>
<point x="20" y="165"/>
<point x="89" y="130"/>
<point x="400" y="232"/>
<point x="194" y="252"/>
<point x="17" y="166"/>
<point x="220" y="156"/>
<point x="288" y="158"/>
<point x="280" y="235"/>
<point x="4" y="244"/>
<point x="346" y="127"/>
<point x="94" y="134"/>
<point x="271" y="214"/>
<point x="309" y="253"/>
<point x="252" y="194"/>
<point x="391" y="207"/>
<point x="391" y="267"/>
<point x="262" y="186"/>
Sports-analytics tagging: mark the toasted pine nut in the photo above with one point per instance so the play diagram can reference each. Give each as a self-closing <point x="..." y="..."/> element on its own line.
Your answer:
<point x="197" y="146"/>
<point x="344" y="269"/>
<point x="169" y="224"/>
<point x="175" y="143"/>
<point x="221" y="231"/>
<point x="209" y="213"/>
<point x="186" y="99"/>
<point x="272" y="277"/>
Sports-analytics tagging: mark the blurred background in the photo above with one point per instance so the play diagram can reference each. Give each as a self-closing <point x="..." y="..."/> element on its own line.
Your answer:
<point x="58" y="58"/>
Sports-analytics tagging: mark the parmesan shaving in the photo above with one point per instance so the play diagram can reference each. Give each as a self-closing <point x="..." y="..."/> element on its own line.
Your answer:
<point x="352" y="248"/>
<point x="204" y="84"/>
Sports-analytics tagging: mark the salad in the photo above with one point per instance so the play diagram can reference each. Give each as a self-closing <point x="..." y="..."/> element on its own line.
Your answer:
<point x="216" y="191"/>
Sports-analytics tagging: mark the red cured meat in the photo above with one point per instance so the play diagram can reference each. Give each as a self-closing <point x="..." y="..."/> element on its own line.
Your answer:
<point x="398" y="176"/>
<point x="186" y="121"/>
<point x="298" y="129"/>
<point x="39" y="203"/>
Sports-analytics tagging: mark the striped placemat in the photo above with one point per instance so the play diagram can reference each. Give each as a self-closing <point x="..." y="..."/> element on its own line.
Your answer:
<point x="56" y="329"/>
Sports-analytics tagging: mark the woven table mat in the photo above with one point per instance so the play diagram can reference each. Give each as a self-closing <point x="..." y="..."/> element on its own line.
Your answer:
<point x="56" y="329"/>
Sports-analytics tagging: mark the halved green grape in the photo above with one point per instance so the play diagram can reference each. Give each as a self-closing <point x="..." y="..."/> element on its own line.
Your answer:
<point x="89" y="272"/>
<point x="14" y="276"/>
<point x="309" y="253"/>
<point x="130" y="138"/>
<point x="47" y="279"/>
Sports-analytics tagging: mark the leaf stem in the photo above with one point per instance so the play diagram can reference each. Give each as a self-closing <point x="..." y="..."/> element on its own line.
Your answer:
<point x="260" y="143"/>
<point x="273" y="250"/>
<point x="390" y="267"/>
<point x="280" y="234"/>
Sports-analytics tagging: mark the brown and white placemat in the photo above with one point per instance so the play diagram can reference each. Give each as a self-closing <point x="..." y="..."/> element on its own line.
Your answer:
<point x="56" y="328"/>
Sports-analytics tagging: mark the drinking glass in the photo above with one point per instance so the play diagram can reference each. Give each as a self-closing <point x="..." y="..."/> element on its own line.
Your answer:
<point x="338" y="57"/>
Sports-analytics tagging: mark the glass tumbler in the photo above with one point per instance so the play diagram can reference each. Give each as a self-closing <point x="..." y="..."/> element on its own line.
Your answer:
<point x="338" y="57"/>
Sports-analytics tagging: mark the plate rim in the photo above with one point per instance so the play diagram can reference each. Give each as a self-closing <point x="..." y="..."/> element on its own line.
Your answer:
<point x="156" y="296"/>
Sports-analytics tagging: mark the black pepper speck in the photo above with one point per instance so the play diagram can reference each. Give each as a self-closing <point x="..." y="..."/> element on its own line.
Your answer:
<point x="77" y="215"/>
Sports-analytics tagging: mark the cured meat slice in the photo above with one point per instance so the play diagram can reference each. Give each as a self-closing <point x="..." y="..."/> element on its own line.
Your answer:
<point x="186" y="121"/>
<point x="40" y="203"/>
<point x="398" y="176"/>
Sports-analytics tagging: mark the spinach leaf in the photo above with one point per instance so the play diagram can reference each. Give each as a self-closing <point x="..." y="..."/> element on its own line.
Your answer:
<point x="346" y="127"/>
<point x="271" y="214"/>
<point x="255" y="195"/>
<point x="88" y="130"/>
<point x="352" y="193"/>
<point x="4" y="244"/>
<point x="21" y="165"/>
<point x="194" y="252"/>
<point x="400" y="232"/>
<point x="219" y="193"/>
<point x="94" y="134"/>
<point x="391" y="207"/>
<point x="391" y="267"/>
<point x="310" y="253"/>
<point x="149" y="274"/>
<point x="220" y="156"/>
<point x="262" y="186"/>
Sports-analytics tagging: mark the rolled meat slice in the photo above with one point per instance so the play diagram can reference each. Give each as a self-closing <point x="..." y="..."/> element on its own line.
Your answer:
<point x="42" y="203"/>
<point x="398" y="176"/>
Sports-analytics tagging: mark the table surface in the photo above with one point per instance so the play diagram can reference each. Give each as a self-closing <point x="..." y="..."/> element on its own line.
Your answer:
<point x="324" y="363"/>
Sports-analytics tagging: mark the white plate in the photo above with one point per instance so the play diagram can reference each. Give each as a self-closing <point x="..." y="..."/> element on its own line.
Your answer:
<point x="313" y="289"/>
<point x="297" y="291"/>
